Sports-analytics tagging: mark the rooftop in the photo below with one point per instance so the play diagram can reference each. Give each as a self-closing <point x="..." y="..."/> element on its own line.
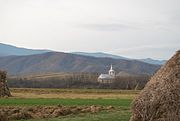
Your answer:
<point x="105" y="76"/>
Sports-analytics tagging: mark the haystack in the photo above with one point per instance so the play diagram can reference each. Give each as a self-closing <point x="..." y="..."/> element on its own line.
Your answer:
<point x="160" y="99"/>
<point x="4" y="90"/>
<point x="3" y="117"/>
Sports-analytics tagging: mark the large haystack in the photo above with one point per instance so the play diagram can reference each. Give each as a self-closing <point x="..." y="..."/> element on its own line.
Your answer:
<point x="3" y="117"/>
<point x="4" y="90"/>
<point x="160" y="99"/>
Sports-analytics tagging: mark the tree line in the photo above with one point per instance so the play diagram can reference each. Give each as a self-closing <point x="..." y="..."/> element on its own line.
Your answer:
<point x="80" y="80"/>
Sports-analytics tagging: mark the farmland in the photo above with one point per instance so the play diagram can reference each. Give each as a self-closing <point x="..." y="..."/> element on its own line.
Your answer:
<point x="73" y="93"/>
<point x="118" y="100"/>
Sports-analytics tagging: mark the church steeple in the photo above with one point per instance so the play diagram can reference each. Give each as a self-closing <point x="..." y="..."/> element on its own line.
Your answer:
<point x="111" y="71"/>
<point x="111" y="67"/>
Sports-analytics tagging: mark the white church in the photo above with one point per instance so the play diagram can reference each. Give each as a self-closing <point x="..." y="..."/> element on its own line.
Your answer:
<point x="107" y="78"/>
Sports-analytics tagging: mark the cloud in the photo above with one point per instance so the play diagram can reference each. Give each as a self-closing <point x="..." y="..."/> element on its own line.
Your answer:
<point x="106" y="26"/>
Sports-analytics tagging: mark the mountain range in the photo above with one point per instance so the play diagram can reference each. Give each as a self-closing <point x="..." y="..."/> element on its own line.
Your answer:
<point x="100" y="55"/>
<point x="106" y="55"/>
<point x="6" y="50"/>
<point x="53" y="62"/>
<point x="22" y="61"/>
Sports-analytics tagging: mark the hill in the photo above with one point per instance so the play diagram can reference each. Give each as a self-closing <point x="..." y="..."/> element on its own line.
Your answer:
<point x="6" y="50"/>
<point x="106" y="55"/>
<point x="53" y="62"/>
<point x="152" y="61"/>
<point x="100" y="55"/>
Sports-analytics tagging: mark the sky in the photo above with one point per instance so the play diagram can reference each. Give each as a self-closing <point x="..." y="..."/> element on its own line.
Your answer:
<point x="130" y="28"/>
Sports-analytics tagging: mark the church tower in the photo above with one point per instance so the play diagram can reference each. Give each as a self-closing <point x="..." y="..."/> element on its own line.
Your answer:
<point x="111" y="72"/>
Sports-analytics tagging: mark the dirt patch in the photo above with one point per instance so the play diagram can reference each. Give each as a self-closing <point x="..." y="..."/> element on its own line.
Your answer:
<point x="39" y="112"/>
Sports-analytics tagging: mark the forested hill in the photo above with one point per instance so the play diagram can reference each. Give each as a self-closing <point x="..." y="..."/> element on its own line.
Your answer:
<point x="65" y="62"/>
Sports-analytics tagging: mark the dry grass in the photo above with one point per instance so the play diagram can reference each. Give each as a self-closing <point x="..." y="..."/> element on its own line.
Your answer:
<point x="45" y="75"/>
<point x="73" y="93"/>
<point x="74" y="96"/>
<point x="40" y="112"/>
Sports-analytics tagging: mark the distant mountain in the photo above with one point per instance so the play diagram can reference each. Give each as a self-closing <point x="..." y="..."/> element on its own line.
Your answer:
<point x="152" y="61"/>
<point x="105" y="55"/>
<point x="66" y="62"/>
<point x="100" y="55"/>
<point x="6" y="50"/>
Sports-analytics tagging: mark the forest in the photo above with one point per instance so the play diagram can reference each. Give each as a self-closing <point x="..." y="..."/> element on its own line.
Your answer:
<point x="80" y="80"/>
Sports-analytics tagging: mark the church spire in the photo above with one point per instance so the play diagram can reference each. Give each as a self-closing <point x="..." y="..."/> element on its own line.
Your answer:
<point x="111" y="67"/>
<point x="111" y="71"/>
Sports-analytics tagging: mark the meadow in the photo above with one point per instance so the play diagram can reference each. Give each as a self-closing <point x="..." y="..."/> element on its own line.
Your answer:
<point x="120" y="100"/>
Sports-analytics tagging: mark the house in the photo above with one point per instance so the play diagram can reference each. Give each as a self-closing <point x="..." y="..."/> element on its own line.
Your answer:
<point x="107" y="78"/>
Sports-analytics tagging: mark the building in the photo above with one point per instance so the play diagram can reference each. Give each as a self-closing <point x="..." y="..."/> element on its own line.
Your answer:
<point x="107" y="78"/>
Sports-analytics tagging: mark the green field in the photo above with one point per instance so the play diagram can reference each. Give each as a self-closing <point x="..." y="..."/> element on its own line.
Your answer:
<point x="119" y="99"/>
<point x="65" y="102"/>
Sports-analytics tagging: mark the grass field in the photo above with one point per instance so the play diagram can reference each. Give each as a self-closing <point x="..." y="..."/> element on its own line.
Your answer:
<point x="119" y="99"/>
<point x="66" y="102"/>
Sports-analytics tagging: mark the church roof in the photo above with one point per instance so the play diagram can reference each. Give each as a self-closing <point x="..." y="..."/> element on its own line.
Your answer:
<point x="105" y="76"/>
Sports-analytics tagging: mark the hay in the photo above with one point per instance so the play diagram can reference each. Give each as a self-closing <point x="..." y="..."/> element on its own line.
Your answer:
<point x="160" y="99"/>
<point x="4" y="90"/>
<point x="40" y="112"/>
<point x="3" y="117"/>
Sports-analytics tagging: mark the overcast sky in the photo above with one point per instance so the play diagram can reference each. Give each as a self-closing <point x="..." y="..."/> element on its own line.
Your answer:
<point x="130" y="28"/>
